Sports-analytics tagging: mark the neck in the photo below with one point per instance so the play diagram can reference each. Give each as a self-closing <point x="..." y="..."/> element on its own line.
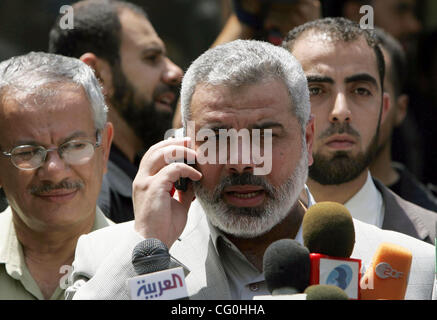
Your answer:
<point x="124" y="137"/>
<point x="46" y="251"/>
<point x="381" y="167"/>
<point x="57" y="243"/>
<point x="254" y="248"/>
<point x="340" y="193"/>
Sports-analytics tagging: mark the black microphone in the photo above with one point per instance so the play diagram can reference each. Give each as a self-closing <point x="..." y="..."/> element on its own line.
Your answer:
<point x="157" y="278"/>
<point x="286" y="265"/>
<point x="328" y="232"/>
<point x="325" y="292"/>
<point x="150" y="255"/>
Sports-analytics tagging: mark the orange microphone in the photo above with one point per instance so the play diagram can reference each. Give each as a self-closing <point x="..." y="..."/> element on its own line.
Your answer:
<point x="387" y="276"/>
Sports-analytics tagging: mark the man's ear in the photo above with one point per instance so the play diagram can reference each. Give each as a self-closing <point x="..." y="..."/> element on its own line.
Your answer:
<point x="102" y="71"/>
<point x="402" y="109"/>
<point x="309" y="137"/>
<point x="107" y="136"/>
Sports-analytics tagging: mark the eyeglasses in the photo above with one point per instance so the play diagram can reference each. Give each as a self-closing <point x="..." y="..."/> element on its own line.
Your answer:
<point x="74" y="152"/>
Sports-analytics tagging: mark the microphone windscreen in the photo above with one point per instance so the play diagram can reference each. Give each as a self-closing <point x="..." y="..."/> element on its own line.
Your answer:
<point x="150" y="255"/>
<point x="387" y="276"/>
<point x="328" y="228"/>
<point x="286" y="264"/>
<point x="325" y="292"/>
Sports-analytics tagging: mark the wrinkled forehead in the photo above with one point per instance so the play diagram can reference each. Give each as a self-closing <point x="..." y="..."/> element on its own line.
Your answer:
<point x="243" y="105"/>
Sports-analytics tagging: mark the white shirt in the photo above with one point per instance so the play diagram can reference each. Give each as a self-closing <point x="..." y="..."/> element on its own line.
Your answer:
<point x="367" y="205"/>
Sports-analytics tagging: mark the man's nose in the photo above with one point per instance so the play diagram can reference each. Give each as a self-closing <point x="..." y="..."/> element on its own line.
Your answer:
<point x="53" y="165"/>
<point x="239" y="156"/>
<point x="340" y="111"/>
<point x="172" y="74"/>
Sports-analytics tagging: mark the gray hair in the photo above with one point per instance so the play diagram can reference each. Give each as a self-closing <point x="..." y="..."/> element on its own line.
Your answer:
<point x="30" y="72"/>
<point x="246" y="62"/>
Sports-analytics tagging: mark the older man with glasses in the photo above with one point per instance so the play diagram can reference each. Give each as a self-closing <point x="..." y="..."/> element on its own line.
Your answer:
<point x="54" y="147"/>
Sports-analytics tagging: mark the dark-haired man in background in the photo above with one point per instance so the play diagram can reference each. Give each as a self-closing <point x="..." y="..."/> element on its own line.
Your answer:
<point x="139" y="81"/>
<point x="393" y="174"/>
<point x="345" y="71"/>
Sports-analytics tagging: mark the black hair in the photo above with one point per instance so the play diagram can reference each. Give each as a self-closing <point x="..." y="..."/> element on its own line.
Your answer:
<point x="340" y="29"/>
<point x="97" y="29"/>
<point x="399" y="67"/>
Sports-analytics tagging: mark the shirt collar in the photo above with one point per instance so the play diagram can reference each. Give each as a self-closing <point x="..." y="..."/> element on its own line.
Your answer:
<point x="11" y="252"/>
<point x="367" y="205"/>
<point x="8" y="239"/>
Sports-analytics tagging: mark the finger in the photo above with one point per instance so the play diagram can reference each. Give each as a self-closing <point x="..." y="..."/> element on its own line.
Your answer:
<point x="174" y="171"/>
<point x="166" y="155"/>
<point x="185" y="141"/>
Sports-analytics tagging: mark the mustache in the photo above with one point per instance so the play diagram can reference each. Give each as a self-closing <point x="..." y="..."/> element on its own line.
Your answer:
<point x="339" y="128"/>
<point x="164" y="88"/>
<point x="245" y="178"/>
<point x="63" y="185"/>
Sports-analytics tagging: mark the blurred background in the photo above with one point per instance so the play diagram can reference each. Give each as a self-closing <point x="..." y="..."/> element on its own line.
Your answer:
<point x="189" y="27"/>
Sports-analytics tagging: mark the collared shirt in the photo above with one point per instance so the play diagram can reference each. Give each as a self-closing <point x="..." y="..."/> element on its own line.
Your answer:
<point x="115" y="198"/>
<point x="16" y="282"/>
<point x="245" y="281"/>
<point x="367" y="205"/>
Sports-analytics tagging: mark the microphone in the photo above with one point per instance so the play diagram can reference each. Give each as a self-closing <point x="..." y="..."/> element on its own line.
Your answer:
<point x="387" y="276"/>
<point x="286" y="266"/>
<point x="157" y="280"/>
<point x="150" y="255"/>
<point x="325" y="292"/>
<point x="329" y="234"/>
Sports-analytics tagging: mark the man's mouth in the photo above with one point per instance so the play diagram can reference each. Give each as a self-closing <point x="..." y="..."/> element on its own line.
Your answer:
<point x="245" y="196"/>
<point x="340" y="142"/>
<point x="59" y="195"/>
<point x="164" y="101"/>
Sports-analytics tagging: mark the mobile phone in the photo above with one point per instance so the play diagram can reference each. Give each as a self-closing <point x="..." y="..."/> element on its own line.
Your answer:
<point x="182" y="183"/>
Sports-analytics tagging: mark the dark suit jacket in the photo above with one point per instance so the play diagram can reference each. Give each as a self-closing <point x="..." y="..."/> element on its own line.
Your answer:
<point x="406" y="217"/>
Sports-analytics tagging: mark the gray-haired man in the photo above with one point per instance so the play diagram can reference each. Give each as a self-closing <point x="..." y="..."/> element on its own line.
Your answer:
<point x="246" y="86"/>
<point x="54" y="145"/>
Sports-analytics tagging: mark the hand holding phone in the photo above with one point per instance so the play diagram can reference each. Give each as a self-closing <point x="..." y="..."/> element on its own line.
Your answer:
<point x="157" y="213"/>
<point x="182" y="183"/>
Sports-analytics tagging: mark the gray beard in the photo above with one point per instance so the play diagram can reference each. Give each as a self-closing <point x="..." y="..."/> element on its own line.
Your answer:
<point x="254" y="221"/>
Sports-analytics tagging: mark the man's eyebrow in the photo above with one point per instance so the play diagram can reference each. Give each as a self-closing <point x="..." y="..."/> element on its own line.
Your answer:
<point x="264" y="125"/>
<point x="319" y="78"/>
<point x="215" y="126"/>
<point x="268" y="125"/>
<point x="362" y="77"/>
<point x="32" y="142"/>
<point x="74" y="135"/>
<point x="153" y="49"/>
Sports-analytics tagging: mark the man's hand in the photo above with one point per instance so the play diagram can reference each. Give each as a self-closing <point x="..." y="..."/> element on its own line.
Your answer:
<point x="157" y="214"/>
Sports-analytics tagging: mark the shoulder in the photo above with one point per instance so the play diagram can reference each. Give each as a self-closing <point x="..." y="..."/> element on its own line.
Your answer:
<point x="398" y="210"/>
<point x="421" y="277"/>
<point x="370" y="235"/>
<point x="109" y="235"/>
